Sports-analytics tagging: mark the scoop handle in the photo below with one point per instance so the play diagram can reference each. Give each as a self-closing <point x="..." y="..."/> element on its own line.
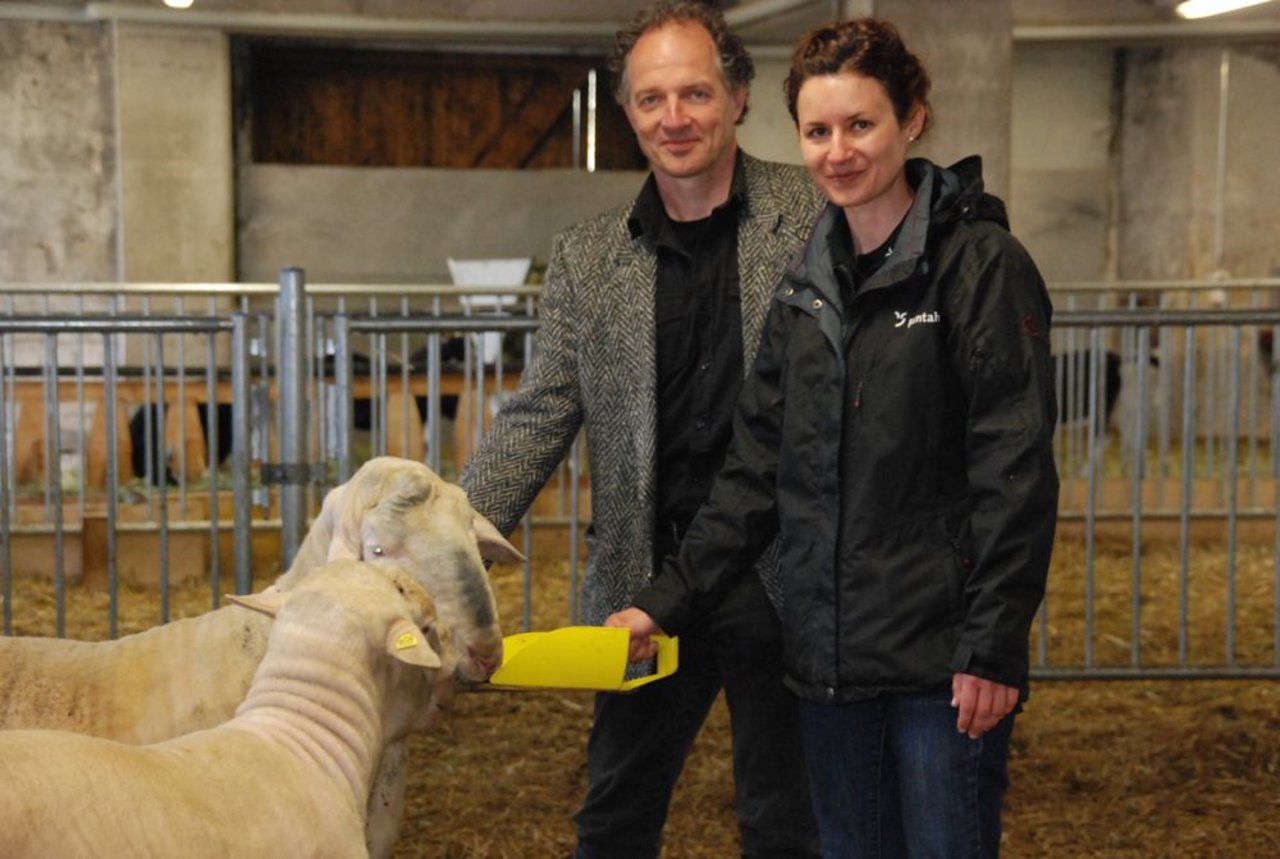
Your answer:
<point x="667" y="661"/>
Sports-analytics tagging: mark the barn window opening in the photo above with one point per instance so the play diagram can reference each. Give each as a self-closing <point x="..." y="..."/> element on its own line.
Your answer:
<point x="387" y="107"/>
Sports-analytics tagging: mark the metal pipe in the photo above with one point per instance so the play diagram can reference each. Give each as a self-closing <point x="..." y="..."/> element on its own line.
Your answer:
<point x="291" y="383"/>
<point x="342" y="391"/>
<point x="1220" y="173"/>
<point x="1253" y="30"/>
<point x="240" y="442"/>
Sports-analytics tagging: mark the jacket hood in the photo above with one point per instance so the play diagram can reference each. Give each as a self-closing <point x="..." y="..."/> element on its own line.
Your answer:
<point x="944" y="196"/>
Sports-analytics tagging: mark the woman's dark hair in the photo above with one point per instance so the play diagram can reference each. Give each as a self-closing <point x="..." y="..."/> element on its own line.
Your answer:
<point x="736" y="67"/>
<point x="867" y="47"/>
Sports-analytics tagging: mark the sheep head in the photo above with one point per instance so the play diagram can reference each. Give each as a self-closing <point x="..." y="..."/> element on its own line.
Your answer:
<point x="399" y="511"/>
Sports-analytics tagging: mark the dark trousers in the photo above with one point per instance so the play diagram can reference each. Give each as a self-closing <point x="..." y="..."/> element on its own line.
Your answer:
<point x="639" y="741"/>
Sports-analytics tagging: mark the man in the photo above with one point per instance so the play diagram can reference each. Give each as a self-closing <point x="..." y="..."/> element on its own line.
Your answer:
<point x="650" y="317"/>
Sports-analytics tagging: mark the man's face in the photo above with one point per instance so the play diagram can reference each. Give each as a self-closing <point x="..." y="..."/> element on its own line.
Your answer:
<point x="683" y="114"/>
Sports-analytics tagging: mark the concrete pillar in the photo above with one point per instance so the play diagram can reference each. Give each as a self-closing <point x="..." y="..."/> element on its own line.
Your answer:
<point x="173" y="102"/>
<point x="968" y="49"/>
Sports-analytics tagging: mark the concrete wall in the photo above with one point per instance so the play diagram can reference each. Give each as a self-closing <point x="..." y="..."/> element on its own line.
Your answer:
<point x="389" y="225"/>
<point x="1061" y="164"/>
<point x="173" y="100"/>
<point x="1200" y="188"/>
<point x="57" y="153"/>
<point x="116" y="161"/>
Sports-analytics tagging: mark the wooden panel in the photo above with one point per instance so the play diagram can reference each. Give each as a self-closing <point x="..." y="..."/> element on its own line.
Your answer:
<point x="346" y="106"/>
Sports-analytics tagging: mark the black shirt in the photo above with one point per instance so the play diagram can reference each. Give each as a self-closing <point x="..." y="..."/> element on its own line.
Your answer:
<point x="852" y="269"/>
<point x="698" y="316"/>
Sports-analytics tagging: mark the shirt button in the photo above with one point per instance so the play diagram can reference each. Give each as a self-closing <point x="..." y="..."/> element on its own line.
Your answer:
<point x="788" y="291"/>
<point x="704" y="367"/>
<point x="817" y="304"/>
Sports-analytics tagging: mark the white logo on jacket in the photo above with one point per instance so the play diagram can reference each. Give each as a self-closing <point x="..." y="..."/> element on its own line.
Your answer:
<point x="929" y="317"/>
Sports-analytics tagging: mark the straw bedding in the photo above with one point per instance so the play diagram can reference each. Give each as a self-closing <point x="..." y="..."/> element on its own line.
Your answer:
<point x="1098" y="768"/>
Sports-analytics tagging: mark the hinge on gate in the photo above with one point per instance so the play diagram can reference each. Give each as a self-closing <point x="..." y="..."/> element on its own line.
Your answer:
<point x="292" y="473"/>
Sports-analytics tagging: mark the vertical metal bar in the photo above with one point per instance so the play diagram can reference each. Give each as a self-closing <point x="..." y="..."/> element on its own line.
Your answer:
<point x="240" y="442"/>
<point x="1188" y="467"/>
<point x="327" y="417"/>
<point x="260" y="448"/>
<point x="290" y="382"/>
<point x="1220" y="185"/>
<point x="577" y="128"/>
<point x="53" y="479"/>
<point x="342" y="392"/>
<point x="10" y="404"/>
<point x="435" y="413"/>
<point x="591" y="121"/>
<point x="1094" y="367"/>
<point x="1251" y="410"/>
<point x="1233" y="491"/>
<point x="6" y="472"/>
<point x="1164" y="419"/>
<point x="213" y="441"/>
<point x="1138" y="479"/>
<point x="84" y="424"/>
<point x="110" y="398"/>
<point x="181" y="414"/>
<point x="406" y="392"/>
<point x="1274" y="448"/>
<point x="162" y="490"/>
<point x="378" y="392"/>
<point x="312" y="392"/>
<point x="148" y="418"/>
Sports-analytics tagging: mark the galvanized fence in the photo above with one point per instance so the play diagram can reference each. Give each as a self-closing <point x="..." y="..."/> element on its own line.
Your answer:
<point x="1169" y="517"/>
<point x="1168" y="556"/>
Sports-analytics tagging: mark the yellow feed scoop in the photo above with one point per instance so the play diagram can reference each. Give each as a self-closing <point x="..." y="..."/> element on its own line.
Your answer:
<point x="577" y="657"/>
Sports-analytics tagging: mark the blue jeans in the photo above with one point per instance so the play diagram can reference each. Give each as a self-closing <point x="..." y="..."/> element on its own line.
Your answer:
<point x="639" y="741"/>
<point x="891" y="778"/>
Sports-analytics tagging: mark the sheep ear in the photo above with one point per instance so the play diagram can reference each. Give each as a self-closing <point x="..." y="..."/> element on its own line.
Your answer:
<point x="493" y="546"/>
<point x="407" y="643"/>
<point x="268" y="602"/>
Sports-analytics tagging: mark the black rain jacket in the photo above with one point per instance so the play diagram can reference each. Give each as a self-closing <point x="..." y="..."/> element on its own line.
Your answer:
<point x="902" y="449"/>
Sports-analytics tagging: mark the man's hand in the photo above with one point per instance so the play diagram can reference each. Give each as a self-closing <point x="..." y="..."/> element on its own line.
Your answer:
<point x="641" y="626"/>
<point x="982" y="703"/>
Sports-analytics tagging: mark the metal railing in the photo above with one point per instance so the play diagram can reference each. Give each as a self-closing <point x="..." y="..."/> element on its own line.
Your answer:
<point x="1168" y="561"/>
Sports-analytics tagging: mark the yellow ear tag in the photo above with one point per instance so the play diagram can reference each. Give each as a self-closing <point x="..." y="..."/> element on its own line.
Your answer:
<point x="406" y="640"/>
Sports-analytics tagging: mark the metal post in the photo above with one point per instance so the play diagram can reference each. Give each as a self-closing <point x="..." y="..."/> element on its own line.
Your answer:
<point x="240" y="411"/>
<point x="6" y="552"/>
<point x="110" y="404"/>
<point x="291" y="384"/>
<point x="342" y="394"/>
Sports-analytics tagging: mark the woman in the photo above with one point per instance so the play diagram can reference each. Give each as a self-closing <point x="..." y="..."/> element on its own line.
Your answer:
<point x="896" y="434"/>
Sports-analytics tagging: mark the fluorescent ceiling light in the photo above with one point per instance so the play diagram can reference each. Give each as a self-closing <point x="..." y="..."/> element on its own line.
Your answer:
<point x="178" y="4"/>
<point x="1205" y="8"/>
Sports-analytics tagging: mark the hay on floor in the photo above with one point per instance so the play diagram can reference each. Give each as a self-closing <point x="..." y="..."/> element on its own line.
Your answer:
<point x="1129" y="770"/>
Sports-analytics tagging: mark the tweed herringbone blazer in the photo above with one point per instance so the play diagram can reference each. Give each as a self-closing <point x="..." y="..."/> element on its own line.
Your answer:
<point x="594" y="366"/>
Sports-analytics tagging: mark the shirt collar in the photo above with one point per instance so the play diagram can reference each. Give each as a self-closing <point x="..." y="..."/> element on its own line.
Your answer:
<point x="649" y="217"/>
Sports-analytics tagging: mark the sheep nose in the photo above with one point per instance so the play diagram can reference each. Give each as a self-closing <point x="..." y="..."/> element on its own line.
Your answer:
<point x="487" y="662"/>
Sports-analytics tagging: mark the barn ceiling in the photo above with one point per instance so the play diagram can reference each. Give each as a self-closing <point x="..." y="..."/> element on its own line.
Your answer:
<point x="562" y="23"/>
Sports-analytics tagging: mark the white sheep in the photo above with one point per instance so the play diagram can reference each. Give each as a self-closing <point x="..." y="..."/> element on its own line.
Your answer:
<point x="290" y="774"/>
<point x="191" y="674"/>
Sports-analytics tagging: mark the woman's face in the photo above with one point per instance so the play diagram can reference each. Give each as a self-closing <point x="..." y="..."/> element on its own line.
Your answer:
<point x="851" y="140"/>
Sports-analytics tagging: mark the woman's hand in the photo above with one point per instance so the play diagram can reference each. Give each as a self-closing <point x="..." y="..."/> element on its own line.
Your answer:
<point x="982" y="703"/>
<point x="641" y="626"/>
